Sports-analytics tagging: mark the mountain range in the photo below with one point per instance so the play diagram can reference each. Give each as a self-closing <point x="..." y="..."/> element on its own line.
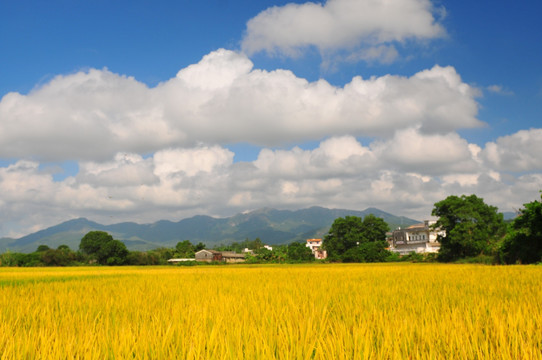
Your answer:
<point x="270" y="225"/>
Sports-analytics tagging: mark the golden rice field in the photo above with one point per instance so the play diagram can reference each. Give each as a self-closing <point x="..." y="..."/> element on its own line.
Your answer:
<point x="384" y="311"/>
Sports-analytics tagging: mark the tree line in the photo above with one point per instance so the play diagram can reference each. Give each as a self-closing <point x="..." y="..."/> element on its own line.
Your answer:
<point x="473" y="231"/>
<point x="99" y="247"/>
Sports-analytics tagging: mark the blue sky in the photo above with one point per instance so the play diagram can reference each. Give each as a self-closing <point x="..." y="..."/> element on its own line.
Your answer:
<point x="139" y="110"/>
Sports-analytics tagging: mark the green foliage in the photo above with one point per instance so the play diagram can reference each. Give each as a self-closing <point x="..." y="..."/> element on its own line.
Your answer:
<point x="299" y="252"/>
<point x="104" y="248"/>
<point x="93" y="241"/>
<point x="374" y="251"/>
<point x="62" y="256"/>
<point x="42" y="248"/>
<point x="279" y="254"/>
<point x="199" y="246"/>
<point x="20" y="259"/>
<point x="163" y="254"/>
<point x="471" y="227"/>
<point x="151" y="257"/>
<point x="43" y="256"/>
<point x="480" y="259"/>
<point x="412" y="257"/>
<point x="113" y="252"/>
<point x="353" y="239"/>
<point x="523" y="243"/>
<point x="185" y="249"/>
<point x="238" y="247"/>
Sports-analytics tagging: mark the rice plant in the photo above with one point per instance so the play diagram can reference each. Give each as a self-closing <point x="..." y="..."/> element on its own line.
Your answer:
<point x="335" y="311"/>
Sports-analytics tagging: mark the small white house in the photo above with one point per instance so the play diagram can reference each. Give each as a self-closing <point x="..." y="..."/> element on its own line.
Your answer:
<point x="315" y="246"/>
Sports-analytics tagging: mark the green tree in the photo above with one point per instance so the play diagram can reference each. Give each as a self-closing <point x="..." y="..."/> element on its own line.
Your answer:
<point x="185" y="249"/>
<point x="299" y="252"/>
<point x="42" y="248"/>
<point x="113" y="252"/>
<point x="374" y="229"/>
<point x="93" y="241"/>
<point x="471" y="227"/>
<point x="523" y="242"/>
<point x="63" y="247"/>
<point x="351" y="232"/>
<point x="101" y="246"/>
<point x="199" y="246"/>
<point x="58" y="257"/>
<point x="374" y="251"/>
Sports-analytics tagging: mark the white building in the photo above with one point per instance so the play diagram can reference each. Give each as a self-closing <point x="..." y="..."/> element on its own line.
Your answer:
<point x="315" y="246"/>
<point x="419" y="238"/>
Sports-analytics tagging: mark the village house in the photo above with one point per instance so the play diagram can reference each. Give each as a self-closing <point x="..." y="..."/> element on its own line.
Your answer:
<point x="419" y="238"/>
<point x="208" y="255"/>
<point x="213" y="255"/>
<point x="315" y="246"/>
<point x="232" y="257"/>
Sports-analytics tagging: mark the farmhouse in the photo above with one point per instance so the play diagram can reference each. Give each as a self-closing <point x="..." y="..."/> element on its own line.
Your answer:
<point x="213" y="255"/>
<point x="232" y="257"/>
<point x="419" y="238"/>
<point x="315" y="246"/>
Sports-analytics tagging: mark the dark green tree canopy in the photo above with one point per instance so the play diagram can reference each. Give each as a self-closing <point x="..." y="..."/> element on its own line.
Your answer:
<point x="185" y="249"/>
<point x="471" y="227"/>
<point x="93" y="241"/>
<point x="113" y="252"/>
<point x="523" y="243"/>
<point x="299" y="252"/>
<point x="42" y="248"/>
<point x="351" y="232"/>
<point x="104" y="248"/>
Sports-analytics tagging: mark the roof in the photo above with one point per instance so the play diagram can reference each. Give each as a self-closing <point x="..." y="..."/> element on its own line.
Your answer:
<point x="317" y="240"/>
<point x="214" y="252"/>
<point x="417" y="226"/>
<point x="232" y="254"/>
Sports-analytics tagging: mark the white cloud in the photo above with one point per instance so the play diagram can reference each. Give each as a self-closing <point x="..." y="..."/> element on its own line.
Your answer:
<point x="411" y="151"/>
<point x="517" y="152"/>
<point x="339" y="24"/>
<point x="404" y="175"/>
<point x="146" y="154"/>
<point x="222" y="100"/>
<point x="191" y="162"/>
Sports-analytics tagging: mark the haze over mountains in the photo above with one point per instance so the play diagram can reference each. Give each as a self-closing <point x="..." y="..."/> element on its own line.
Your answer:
<point x="270" y="225"/>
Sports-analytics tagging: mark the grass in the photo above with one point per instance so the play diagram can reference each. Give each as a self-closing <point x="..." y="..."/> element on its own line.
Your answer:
<point x="324" y="311"/>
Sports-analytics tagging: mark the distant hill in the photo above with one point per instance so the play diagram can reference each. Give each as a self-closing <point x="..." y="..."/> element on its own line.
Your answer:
<point x="270" y="225"/>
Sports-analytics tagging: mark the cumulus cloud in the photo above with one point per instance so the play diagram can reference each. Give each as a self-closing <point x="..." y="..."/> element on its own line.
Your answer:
<point x="339" y="24"/>
<point x="436" y="154"/>
<point x="404" y="175"/>
<point x="222" y="100"/>
<point x="517" y="152"/>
